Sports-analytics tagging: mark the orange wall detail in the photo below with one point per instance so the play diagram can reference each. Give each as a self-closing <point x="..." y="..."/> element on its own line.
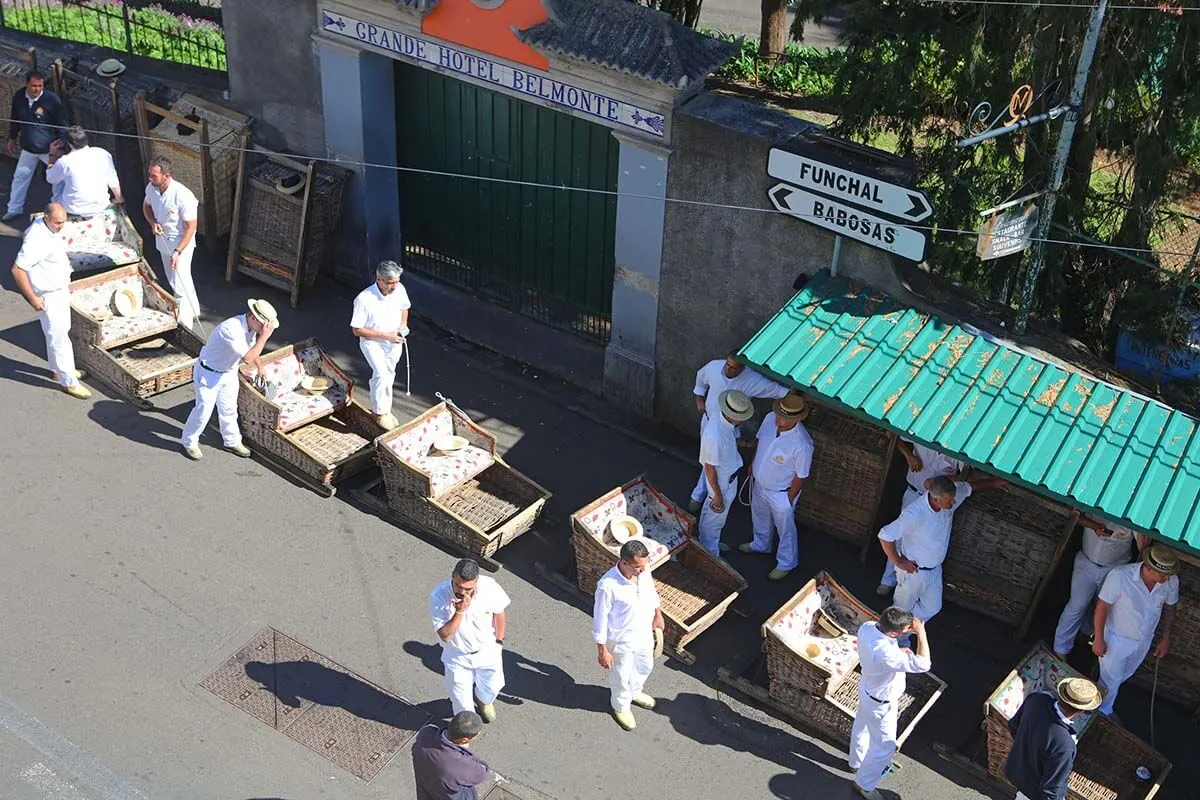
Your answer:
<point x="488" y="30"/>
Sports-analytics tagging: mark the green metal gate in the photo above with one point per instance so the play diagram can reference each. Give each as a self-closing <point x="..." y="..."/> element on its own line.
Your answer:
<point x="546" y="253"/>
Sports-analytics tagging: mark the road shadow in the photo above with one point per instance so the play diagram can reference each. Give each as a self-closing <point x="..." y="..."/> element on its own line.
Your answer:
<point x="122" y="419"/>
<point x="28" y="374"/>
<point x="713" y="722"/>
<point x="296" y="681"/>
<point x="527" y="680"/>
<point x="29" y="337"/>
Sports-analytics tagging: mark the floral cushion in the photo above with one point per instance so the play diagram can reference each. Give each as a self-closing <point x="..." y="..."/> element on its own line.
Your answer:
<point x="84" y="234"/>
<point x="122" y="329"/>
<point x="285" y="373"/>
<point x="416" y="442"/>
<point x="415" y="447"/>
<point x="1039" y="672"/>
<point x="664" y="532"/>
<point x="299" y="408"/>
<point x="102" y="256"/>
<point x="837" y="655"/>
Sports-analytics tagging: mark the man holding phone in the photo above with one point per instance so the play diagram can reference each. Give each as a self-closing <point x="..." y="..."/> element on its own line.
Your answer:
<point x="468" y="613"/>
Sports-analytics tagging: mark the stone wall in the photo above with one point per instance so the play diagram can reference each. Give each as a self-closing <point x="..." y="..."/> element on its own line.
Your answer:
<point x="725" y="272"/>
<point x="274" y="74"/>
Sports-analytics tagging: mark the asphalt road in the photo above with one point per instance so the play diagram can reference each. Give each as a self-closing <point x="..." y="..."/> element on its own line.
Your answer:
<point x="130" y="572"/>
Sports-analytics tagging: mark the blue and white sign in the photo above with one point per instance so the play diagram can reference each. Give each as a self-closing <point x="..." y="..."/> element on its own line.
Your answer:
<point x="534" y="85"/>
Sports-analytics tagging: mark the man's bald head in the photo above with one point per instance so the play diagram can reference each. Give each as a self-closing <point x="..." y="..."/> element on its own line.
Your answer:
<point x="55" y="217"/>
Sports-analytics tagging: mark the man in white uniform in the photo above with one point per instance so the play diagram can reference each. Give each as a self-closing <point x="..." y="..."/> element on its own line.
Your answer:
<point x="712" y="379"/>
<point x="721" y="461"/>
<point x="173" y="213"/>
<point x="380" y="321"/>
<point x="1127" y="614"/>
<point x="626" y="620"/>
<point x="468" y="613"/>
<point x="84" y="177"/>
<point x="1105" y="545"/>
<point x="917" y="542"/>
<point x="43" y="275"/>
<point x="924" y="463"/>
<point x="884" y="665"/>
<point x="782" y="460"/>
<point x="236" y="341"/>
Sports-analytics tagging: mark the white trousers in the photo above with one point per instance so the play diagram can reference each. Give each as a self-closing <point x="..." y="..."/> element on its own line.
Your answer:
<point x="383" y="358"/>
<point x="889" y="571"/>
<point x="631" y="667"/>
<point x="214" y="390"/>
<point x="1086" y="579"/>
<point x="55" y="318"/>
<point x="711" y="523"/>
<point x="480" y="675"/>
<point x="180" y="279"/>
<point x="920" y="592"/>
<point x="22" y="177"/>
<point x="872" y="740"/>
<point x="1119" y="662"/>
<point x="771" y="511"/>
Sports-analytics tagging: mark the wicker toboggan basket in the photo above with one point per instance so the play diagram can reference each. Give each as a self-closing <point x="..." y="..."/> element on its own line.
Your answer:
<point x="1108" y="756"/>
<point x="14" y="64"/>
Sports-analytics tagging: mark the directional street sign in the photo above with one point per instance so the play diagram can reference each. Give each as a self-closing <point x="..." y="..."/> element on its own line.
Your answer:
<point x="909" y="205"/>
<point x="848" y="221"/>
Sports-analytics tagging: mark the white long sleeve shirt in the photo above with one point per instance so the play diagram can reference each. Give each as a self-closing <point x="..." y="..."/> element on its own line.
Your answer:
<point x="711" y="381"/>
<point x="623" y="613"/>
<point x="884" y="663"/>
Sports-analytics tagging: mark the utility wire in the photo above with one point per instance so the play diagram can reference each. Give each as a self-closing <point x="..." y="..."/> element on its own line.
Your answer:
<point x="1162" y="8"/>
<point x="601" y="192"/>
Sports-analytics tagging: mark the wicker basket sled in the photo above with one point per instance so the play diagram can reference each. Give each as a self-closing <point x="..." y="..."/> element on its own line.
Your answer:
<point x="281" y="239"/>
<point x="141" y="355"/>
<point x="15" y="63"/>
<point x="1108" y="756"/>
<point x="471" y="500"/>
<point x="317" y="439"/>
<point x="695" y="587"/>
<point x="812" y="665"/>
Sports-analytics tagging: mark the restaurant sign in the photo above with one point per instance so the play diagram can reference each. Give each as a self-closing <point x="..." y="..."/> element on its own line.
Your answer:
<point x="524" y="83"/>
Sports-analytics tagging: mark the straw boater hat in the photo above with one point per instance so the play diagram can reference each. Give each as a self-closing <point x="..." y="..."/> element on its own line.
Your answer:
<point x="736" y="405"/>
<point x="290" y="184"/>
<point x="263" y="311"/>
<point x="792" y="406"/>
<point x="1161" y="559"/>
<point x="624" y="527"/>
<point x="1079" y="694"/>
<point x="110" y="68"/>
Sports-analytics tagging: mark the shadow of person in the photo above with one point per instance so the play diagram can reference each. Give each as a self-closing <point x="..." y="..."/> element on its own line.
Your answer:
<point x="124" y="420"/>
<point x="794" y="786"/>
<point x="29" y="337"/>
<point x="294" y="682"/>
<point x="711" y="721"/>
<point x="28" y="374"/>
<point x="526" y="679"/>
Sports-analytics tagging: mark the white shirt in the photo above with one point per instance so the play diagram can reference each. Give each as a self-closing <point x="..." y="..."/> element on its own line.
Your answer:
<point x="923" y="534"/>
<point x="884" y="663"/>
<point x="1135" y="609"/>
<point x="1111" y="550"/>
<point x="229" y="341"/>
<point x="623" y="612"/>
<point x="476" y="631"/>
<point x="718" y="446"/>
<point x="86" y="174"/>
<point x="172" y="208"/>
<point x="43" y="256"/>
<point x="374" y="309"/>
<point x="780" y="457"/>
<point x="933" y="464"/>
<point x="711" y="381"/>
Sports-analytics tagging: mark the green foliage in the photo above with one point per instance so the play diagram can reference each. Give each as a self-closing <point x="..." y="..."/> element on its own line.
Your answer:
<point x="156" y="33"/>
<point x="804" y="71"/>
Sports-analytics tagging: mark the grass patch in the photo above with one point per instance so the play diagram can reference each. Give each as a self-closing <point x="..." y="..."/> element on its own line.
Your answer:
<point x="155" y="33"/>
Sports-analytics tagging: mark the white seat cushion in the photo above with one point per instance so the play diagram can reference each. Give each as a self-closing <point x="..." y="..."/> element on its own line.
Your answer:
<point x="446" y="472"/>
<point x="121" y="329"/>
<point x="102" y="256"/>
<point x="299" y="408"/>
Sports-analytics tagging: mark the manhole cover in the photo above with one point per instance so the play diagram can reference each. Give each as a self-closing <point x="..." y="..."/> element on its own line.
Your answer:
<point x="317" y="702"/>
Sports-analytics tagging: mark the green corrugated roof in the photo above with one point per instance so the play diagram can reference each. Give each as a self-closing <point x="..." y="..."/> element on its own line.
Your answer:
<point x="1059" y="431"/>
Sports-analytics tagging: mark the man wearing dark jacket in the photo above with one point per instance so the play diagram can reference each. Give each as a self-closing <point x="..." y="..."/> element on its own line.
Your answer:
<point x="37" y="119"/>
<point x="444" y="768"/>
<point x="1043" y="750"/>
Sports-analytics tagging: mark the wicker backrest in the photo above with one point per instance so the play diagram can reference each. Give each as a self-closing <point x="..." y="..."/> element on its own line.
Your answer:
<point x="1002" y="546"/>
<point x="14" y="64"/>
<point x="93" y="294"/>
<point x="849" y="467"/>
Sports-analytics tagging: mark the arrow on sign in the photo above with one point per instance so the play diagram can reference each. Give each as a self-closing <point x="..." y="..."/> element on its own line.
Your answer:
<point x="848" y="221"/>
<point x="855" y="188"/>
